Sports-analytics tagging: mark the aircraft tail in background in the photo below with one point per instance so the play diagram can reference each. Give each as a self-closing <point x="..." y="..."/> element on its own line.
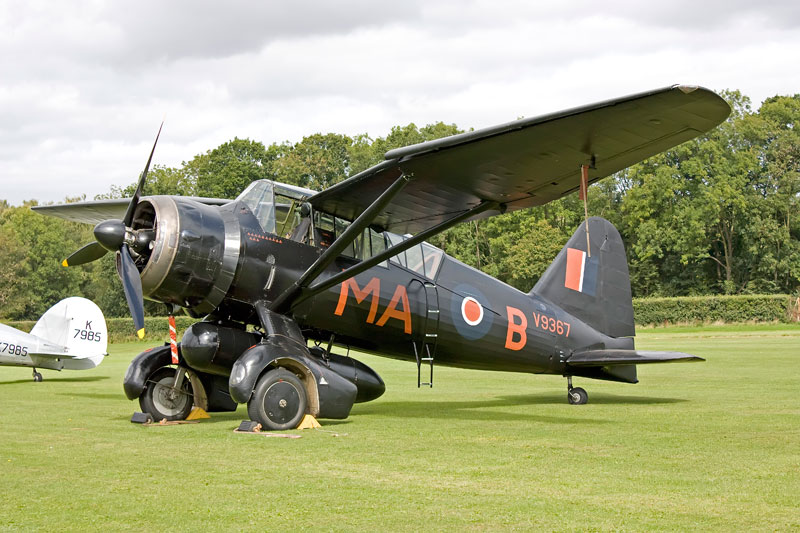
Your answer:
<point x="78" y="325"/>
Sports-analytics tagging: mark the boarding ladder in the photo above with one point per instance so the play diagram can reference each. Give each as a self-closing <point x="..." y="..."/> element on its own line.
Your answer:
<point x="425" y="348"/>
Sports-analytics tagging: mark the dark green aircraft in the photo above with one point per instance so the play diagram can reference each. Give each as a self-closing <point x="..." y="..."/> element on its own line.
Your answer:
<point x="348" y="268"/>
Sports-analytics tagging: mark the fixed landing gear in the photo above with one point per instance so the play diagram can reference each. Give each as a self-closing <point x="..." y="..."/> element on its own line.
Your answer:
<point x="279" y="401"/>
<point x="576" y="395"/>
<point x="37" y="377"/>
<point x="167" y="395"/>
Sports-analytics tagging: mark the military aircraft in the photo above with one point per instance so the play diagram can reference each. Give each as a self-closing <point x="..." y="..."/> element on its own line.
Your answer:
<point x="348" y="267"/>
<point x="70" y="335"/>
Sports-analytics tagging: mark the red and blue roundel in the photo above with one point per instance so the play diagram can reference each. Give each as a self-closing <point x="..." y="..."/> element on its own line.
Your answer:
<point x="470" y="311"/>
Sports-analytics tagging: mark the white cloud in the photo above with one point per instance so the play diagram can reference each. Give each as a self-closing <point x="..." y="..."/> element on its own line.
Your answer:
<point x="86" y="83"/>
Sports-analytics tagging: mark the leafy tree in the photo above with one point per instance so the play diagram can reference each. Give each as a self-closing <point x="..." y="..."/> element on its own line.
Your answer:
<point x="13" y="275"/>
<point x="160" y="180"/>
<point x="227" y="170"/>
<point x="316" y="162"/>
<point x="37" y="244"/>
<point x="774" y="235"/>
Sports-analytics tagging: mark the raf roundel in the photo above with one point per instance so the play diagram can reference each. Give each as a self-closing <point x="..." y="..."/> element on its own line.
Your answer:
<point x="471" y="311"/>
<point x="472" y="315"/>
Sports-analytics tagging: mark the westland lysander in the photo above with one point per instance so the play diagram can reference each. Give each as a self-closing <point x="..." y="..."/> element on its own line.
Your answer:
<point x="348" y="268"/>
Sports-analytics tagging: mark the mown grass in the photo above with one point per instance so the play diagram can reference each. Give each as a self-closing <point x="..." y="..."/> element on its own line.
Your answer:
<point x="707" y="446"/>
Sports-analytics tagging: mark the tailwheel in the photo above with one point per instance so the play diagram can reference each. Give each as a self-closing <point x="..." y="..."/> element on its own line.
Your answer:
<point x="575" y="395"/>
<point x="37" y="377"/>
<point x="167" y="394"/>
<point x="279" y="400"/>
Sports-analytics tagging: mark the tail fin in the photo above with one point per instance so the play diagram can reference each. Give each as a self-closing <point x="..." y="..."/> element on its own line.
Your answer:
<point x="593" y="287"/>
<point x="78" y="324"/>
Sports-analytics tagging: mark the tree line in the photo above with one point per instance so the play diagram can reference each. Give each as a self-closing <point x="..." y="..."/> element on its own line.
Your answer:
<point x="716" y="215"/>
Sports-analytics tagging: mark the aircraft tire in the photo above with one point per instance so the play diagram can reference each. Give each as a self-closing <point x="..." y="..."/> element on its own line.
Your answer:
<point x="156" y="401"/>
<point x="279" y="400"/>
<point x="37" y="377"/>
<point x="577" y="396"/>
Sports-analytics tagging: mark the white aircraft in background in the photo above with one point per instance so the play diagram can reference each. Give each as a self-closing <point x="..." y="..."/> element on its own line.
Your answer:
<point x="72" y="334"/>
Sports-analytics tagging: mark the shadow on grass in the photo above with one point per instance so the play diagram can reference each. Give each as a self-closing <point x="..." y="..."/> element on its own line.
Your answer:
<point x="85" y="379"/>
<point x="481" y="410"/>
<point x="95" y="395"/>
<point x="232" y="419"/>
<point x="477" y="410"/>
<point x="599" y="398"/>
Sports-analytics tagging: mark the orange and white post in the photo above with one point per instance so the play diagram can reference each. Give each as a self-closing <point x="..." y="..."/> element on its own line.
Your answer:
<point x="173" y="339"/>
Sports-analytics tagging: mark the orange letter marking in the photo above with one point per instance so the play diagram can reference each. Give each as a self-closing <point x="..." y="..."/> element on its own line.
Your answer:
<point x="516" y="328"/>
<point x="373" y="287"/>
<point x="392" y="311"/>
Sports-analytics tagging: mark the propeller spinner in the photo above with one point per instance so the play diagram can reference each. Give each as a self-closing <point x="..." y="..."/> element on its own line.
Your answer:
<point x="114" y="236"/>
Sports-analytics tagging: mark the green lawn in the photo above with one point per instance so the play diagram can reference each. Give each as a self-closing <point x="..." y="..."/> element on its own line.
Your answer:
<point x="705" y="446"/>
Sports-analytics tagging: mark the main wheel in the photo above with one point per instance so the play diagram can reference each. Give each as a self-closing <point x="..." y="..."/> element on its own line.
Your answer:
<point x="279" y="401"/>
<point x="37" y="377"/>
<point x="577" y="396"/>
<point x="161" y="400"/>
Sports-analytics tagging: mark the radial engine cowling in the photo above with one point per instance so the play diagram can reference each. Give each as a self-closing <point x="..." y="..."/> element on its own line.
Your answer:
<point x="191" y="260"/>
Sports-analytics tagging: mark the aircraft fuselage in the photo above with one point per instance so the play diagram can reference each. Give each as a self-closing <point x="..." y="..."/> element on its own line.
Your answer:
<point x="460" y="316"/>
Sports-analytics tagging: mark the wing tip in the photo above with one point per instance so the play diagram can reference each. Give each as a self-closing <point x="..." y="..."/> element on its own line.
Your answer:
<point x="140" y="333"/>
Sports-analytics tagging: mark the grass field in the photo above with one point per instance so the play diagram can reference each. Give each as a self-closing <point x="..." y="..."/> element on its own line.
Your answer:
<point x="706" y="446"/>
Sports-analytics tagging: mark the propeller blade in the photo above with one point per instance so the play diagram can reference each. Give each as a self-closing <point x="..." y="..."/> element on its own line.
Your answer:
<point x="87" y="254"/>
<point x="132" y="285"/>
<point x="139" y="186"/>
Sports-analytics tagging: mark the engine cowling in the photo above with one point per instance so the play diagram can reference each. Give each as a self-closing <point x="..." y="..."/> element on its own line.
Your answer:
<point x="192" y="256"/>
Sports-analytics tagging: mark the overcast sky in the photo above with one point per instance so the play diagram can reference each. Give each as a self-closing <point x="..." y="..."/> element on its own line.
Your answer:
<point x="84" y="85"/>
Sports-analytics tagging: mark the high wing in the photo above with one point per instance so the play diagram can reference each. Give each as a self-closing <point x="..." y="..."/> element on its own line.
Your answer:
<point x="592" y="358"/>
<point x="523" y="163"/>
<point x="96" y="211"/>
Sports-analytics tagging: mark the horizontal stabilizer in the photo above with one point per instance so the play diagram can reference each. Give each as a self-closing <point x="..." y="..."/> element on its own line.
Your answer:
<point x="627" y="357"/>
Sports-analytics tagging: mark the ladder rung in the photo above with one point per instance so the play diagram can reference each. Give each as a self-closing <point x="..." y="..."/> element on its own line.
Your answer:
<point x="433" y="310"/>
<point x="426" y="359"/>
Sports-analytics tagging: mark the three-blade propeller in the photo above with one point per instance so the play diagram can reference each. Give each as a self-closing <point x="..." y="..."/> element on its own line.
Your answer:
<point x="114" y="236"/>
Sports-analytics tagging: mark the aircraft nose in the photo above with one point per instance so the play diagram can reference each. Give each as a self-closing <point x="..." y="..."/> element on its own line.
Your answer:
<point x="110" y="234"/>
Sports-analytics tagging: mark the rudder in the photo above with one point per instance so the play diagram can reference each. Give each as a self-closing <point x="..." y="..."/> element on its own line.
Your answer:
<point x="78" y="324"/>
<point x="594" y="287"/>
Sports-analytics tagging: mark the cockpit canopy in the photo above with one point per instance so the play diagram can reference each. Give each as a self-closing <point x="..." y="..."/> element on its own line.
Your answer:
<point x="283" y="210"/>
<point x="273" y="202"/>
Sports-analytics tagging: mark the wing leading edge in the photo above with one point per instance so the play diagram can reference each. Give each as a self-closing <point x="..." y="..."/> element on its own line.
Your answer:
<point x="527" y="162"/>
<point x="96" y="211"/>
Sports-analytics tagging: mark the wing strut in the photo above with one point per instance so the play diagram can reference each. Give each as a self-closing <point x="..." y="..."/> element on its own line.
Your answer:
<point x="396" y="249"/>
<point x="584" y="194"/>
<point x="350" y="234"/>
